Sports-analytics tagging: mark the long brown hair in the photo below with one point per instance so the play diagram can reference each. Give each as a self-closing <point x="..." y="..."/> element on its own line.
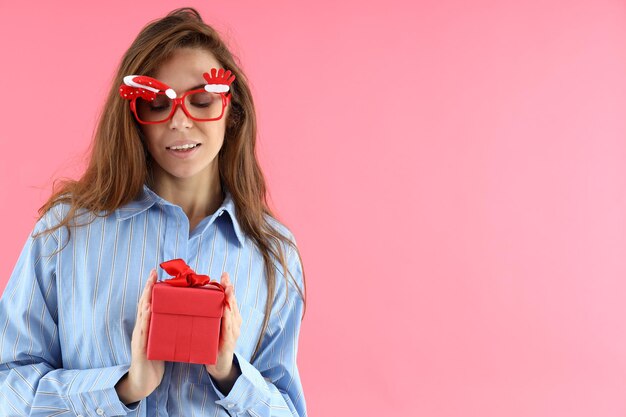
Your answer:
<point x="119" y="165"/>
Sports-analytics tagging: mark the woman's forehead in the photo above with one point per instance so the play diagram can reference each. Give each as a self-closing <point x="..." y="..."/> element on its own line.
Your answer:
<point x="185" y="68"/>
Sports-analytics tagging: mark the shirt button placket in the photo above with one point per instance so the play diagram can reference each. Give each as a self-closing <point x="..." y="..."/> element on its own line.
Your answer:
<point x="176" y="233"/>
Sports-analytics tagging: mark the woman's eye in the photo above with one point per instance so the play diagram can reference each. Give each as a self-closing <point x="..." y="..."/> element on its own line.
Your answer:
<point x="205" y="104"/>
<point x="159" y="108"/>
<point x="201" y="100"/>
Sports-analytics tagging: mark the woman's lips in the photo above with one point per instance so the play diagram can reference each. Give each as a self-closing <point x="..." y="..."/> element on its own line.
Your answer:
<point x="182" y="146"/>
<point x="183" y="153"/>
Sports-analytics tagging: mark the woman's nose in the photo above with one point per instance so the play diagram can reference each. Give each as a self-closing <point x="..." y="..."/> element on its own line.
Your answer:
<point x="179" y="119"/>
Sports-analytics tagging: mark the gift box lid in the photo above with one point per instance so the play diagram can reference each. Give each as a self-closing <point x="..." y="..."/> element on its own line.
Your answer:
<point x="205" y="301"/>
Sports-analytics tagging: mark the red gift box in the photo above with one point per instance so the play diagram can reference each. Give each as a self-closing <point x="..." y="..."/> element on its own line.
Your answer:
<point x="186" y="317"/>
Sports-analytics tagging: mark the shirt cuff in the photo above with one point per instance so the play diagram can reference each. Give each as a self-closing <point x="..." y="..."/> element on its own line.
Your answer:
<point x="249" y="389"/>
<point x="92" y="392"/>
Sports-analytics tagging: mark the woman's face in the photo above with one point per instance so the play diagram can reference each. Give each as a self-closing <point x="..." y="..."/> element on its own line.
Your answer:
<point x="183" y="72"/>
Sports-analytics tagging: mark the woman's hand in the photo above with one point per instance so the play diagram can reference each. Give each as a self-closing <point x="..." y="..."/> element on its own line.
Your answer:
<point x="144" y="375"/>
<point x="225" y="372"/>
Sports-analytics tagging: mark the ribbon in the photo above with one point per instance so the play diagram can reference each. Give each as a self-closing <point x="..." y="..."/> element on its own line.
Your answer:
<point x="184" y="276"/>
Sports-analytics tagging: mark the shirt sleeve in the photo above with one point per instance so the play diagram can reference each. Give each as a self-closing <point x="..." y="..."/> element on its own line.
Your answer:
<point x="271" y="385"/>
<point x="32" y="379"/>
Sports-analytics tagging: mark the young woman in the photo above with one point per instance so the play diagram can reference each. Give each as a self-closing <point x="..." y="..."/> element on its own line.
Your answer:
<point x="173" y="174"/>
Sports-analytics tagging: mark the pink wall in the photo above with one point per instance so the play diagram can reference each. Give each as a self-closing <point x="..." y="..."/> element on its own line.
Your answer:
<point x="455" y="173"/>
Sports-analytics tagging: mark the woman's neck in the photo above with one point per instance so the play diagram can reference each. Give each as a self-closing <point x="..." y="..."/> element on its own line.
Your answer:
<point x="199" y="196"/>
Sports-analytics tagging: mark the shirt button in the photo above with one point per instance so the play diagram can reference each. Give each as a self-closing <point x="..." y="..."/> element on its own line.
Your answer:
<point x="100" y="412"/>
<point x="221" y="212"/>
<point x="230" y="405"/>
<point x="80" y="415"/>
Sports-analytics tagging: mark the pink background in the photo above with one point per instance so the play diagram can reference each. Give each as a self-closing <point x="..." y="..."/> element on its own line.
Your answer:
<point x="455" y="173"/>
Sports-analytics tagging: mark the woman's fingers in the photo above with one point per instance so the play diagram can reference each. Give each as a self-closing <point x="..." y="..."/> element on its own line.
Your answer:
<point x="225" y="279"/>
<point x="229" y="290"/>
<point x="229" y="333"/>
<point x="145" y="375"/>
<point x="151" y="281"/>
<point x="140" y="332"/>
<point x="145" y="321"/>
<point x="231" y="322"/>
<point x="145" y="309"/>
<point x="140" y="310"/>
<point x="144" y="293"/>
<point x="231" y="298"/>
<point x="232" y="302"/>
<point x="227" y="322"/>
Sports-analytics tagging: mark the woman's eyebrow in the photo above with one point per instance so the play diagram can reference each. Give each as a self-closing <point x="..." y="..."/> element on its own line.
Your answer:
<point x="196" y="87"/>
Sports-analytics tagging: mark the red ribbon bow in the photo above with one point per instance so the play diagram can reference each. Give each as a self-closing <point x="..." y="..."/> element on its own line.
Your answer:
<point x="184" y="276"/>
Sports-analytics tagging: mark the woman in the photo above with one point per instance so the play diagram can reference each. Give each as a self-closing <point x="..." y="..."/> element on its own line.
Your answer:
<point x="173" y="174"/>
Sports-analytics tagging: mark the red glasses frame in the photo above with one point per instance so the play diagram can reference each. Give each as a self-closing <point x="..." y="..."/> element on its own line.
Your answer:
<point x="218" y="81"/>
<point x="180" y="101"/>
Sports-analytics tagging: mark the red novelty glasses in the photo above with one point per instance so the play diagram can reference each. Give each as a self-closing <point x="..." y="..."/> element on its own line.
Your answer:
<point x="199" y="105"/>
<point x="153" y="101"/>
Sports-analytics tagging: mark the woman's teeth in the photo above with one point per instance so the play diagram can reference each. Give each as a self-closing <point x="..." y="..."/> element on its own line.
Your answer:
<point x="183" y="147"/>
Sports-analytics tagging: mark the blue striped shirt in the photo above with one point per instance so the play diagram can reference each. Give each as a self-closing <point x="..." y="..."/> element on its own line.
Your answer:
<point x="66" y="320"/>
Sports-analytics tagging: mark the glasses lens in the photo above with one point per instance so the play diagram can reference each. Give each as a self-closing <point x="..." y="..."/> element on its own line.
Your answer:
<point x="156" y="110"/>
<point x="204" y="105"/>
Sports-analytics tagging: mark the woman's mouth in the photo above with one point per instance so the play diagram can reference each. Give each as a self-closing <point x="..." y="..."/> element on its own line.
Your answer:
<point x="184" y="151"/>
<point x="183" y="148"/>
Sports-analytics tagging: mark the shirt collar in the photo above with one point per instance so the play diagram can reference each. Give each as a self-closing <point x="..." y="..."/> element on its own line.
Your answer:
<point x="147" y="198"/>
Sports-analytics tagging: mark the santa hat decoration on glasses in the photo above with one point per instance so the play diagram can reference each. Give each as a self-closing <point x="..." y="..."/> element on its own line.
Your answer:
<point x="153" y="101"/>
